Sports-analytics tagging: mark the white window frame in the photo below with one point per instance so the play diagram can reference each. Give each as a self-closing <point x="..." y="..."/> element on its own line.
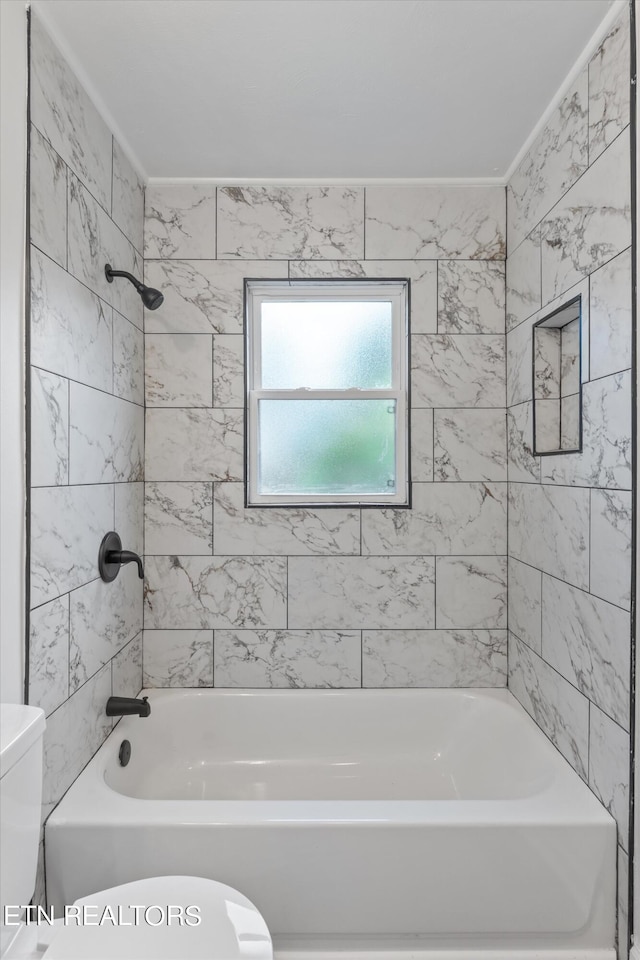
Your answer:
<point x="395" y="291"/>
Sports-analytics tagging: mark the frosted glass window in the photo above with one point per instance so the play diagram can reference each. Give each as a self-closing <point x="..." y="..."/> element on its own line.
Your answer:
<point x="327" y="404"/>
<point x="326" y="345"/>
<point x="327" y="446"/>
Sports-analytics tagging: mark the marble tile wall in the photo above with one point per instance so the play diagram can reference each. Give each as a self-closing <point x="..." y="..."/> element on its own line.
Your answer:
<point x="570" y="520"/>
<point x="86" y="418"/>
<point x="334" y="597"/>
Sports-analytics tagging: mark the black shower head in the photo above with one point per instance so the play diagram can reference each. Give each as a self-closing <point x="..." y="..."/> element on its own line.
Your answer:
<point x="151" y="298"/>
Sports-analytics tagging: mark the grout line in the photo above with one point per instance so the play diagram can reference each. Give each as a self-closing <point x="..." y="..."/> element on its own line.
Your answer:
<point x="364" y="223"/>
<point x="287" y="593"/>
<point x="589" y="742"/>
<point x="66" y="213"/>
<point x="110" y="211"/>
<point x="68" y="645"/>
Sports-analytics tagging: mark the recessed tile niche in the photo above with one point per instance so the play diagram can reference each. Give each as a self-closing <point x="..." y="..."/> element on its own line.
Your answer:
<point x="557" y="381"/>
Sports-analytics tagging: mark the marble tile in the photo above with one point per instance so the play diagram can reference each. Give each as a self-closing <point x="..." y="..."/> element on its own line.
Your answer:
<point x="73" y="734"/>
<point x="605" y="460"/>
<point x="103" y="618"/>
<point x="286" y="658"/>
<point x="435" y="223"/>
<point x="128" y="360"/>
<point x="49" y="429"/>
<point x="106" y="437"/>
<point x="610" y="322"/>
<point x="70" y="327"/>
<point x="63" y="112"/>
<point x="434" y="658"/>
<point x="547" y="427"/>
<point x="291" y="223"/>
<point x="126" y="669"/>
<point x="422" y="445"/>
<point x="525" y="603"/>
<point x="470" y="445"/>
<point x="471" y="592"/>
<point x="549" y="529"/>
<point x="421" y="273"/>
<point x="523" y="467"/>
<point x="609" y="71"/>
<point x="206" y="593"/>
<point x="471" y="296"/>
<point x="293" y="531"/>
<point x="130" y="515"/>
<point x="590" y="225"/>
<point x="49" y="655"/>
<point x="67" y="527"/>
<point x="611" y="526"/>
<point x="48" y="199"/>
<point x="178" y="658"/>
<point x="547" y="354"/>
<point x="588" y="641"/>
<point x="228" y="371"/>
<point x="524" y="296"/>
<point x="609" y="768"/>
<point x="179" y="518"/>
<point x="349" y="593"/>
<point x="204" y="296"/>
<point x="554" y="161"/>
<point x="570" y="422"/>
<point x="520" y="363"/>
<point x="622" y="936"/>
<point x="570" y="359"/>
<point x="457" y="371"/>
<point x="95" y="240"/>
<point x="446" y="518"/>
<point x="180" y="221"/>
<point x="194" y="444"/>
<point x="128" y="198"/>
<point x="560" y="710"/>
<point x="178" y="370"/>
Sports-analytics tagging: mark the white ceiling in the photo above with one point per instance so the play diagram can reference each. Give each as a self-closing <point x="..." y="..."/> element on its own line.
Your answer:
<point x="324" y="88"/>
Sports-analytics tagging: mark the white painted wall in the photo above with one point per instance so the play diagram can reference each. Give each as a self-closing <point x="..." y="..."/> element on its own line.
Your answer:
<point x="13" y="108"/>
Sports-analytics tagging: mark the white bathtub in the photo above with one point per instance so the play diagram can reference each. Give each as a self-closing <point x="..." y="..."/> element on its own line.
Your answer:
<point x="360" y="820"/>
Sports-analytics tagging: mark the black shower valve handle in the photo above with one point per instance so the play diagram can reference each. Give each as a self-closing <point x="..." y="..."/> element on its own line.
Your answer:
<point x="126" y="556"/>
<point x="111" y="557"/>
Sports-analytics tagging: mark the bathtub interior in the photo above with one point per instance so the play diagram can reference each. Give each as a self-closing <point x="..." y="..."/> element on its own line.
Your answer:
<point x="331" y="745"/>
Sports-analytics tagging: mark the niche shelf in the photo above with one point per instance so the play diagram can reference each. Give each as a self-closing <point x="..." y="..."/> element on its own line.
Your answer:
<point x="557" y="381"/>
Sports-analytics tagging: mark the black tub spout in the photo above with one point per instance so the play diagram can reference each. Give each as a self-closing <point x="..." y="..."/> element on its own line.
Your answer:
<point x="128" y="706"/>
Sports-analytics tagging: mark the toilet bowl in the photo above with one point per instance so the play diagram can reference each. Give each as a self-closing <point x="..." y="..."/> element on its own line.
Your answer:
<point x="158" y="918"/>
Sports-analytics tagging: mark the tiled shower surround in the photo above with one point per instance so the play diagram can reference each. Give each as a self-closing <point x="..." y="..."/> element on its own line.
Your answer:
<point x="296" y="597"/>
<point x="340" y="597"/>
<point x="570" y="521"/>
<point x="87" y="418"/>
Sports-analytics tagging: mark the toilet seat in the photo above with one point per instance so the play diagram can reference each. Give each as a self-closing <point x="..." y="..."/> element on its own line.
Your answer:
<point x="230" y="925"/>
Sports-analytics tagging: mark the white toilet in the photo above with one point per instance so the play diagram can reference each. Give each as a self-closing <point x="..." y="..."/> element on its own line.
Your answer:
<point x="230" y="926"/>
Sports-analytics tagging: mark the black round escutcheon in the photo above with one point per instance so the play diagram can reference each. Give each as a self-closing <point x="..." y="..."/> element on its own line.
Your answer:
<point x="109" y="568"/>
<point x="125" y="753"/>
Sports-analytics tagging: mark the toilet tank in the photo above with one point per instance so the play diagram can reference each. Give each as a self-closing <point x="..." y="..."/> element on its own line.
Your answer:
<point x="21" y="731"/>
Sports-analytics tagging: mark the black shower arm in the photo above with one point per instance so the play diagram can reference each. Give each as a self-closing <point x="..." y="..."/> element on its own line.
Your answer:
<point x="110" y="273"/>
